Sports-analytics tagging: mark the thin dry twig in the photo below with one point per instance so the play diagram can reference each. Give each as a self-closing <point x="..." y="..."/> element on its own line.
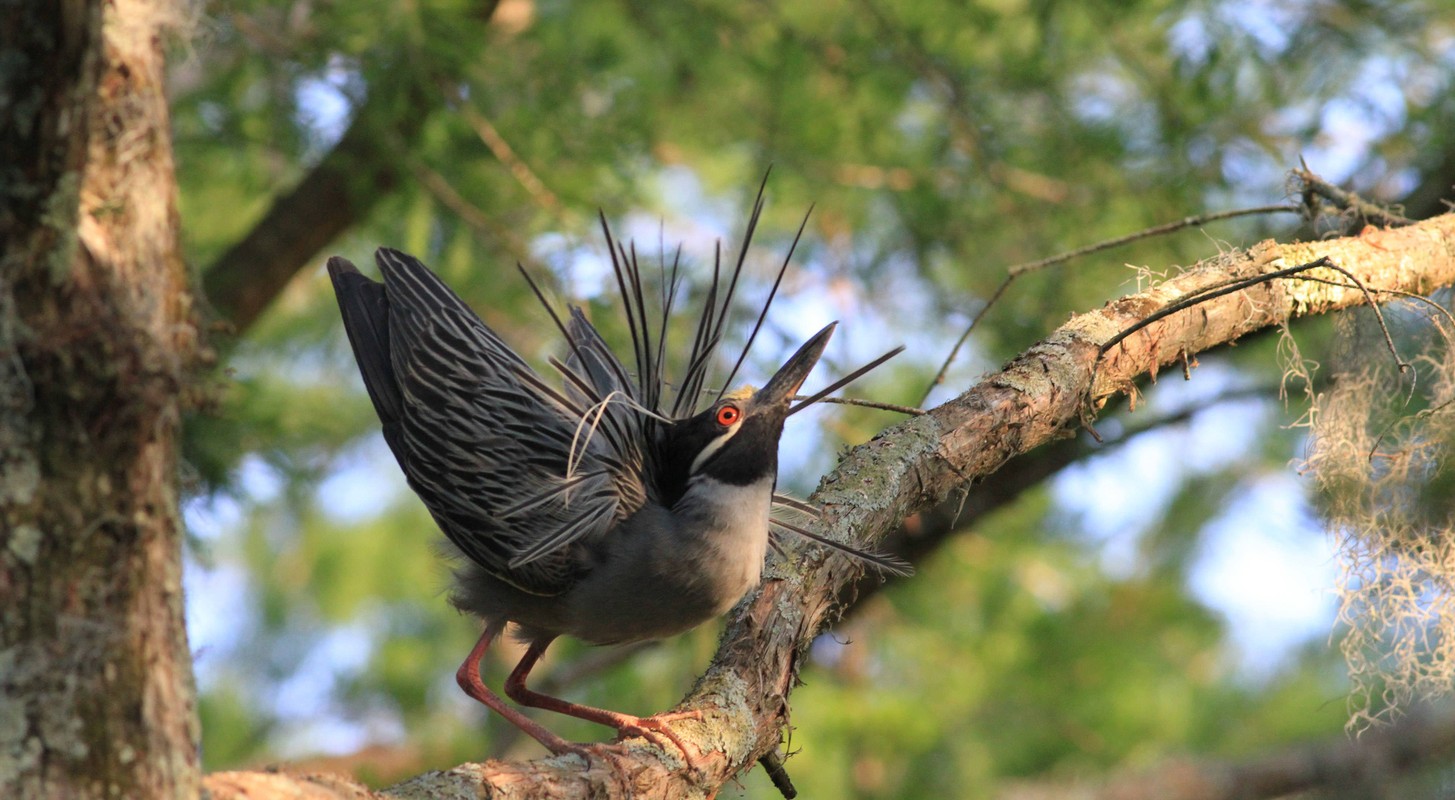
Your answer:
<point x="504" y="153"/>
<point x="1147" y="233"/>
<point x="1018" y="270"/>
<point x="1312" y="187"/>
<point x="823" y="393"/>
<point x="969" y="329"/>
<point x="854" y="401"/>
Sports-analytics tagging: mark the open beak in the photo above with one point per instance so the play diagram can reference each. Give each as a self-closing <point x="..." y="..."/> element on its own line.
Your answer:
<point x="781" y="388"/>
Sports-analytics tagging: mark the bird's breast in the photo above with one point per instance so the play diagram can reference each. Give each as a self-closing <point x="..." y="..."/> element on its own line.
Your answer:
<point x="730" y="525"/>
<point x="665" y="571"/>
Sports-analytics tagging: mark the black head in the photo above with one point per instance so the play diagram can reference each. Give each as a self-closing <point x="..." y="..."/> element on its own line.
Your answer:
<point x="735" y="440"/>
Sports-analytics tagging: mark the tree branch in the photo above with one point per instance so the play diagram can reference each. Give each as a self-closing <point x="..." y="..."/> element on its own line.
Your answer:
<point x="1035" y="399"/>
<point x="1316" y="190"/>
<point x="336" y="195"/>
<point x="363" y="168"/>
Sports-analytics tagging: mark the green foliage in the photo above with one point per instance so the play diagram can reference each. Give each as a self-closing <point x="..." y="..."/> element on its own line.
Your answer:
<point x="1012" y="657"/>
<point x="939" y="143"/>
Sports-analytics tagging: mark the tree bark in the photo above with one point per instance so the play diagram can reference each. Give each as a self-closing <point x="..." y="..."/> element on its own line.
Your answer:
<point x="96" y="344"/>
<point x="1038" y="397"/>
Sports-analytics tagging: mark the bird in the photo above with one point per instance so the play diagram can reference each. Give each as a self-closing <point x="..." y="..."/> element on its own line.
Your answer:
<point x="589" y="507"/>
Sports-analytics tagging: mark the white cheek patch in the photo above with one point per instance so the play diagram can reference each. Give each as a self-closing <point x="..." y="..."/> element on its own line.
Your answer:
<point x="714" y="446"/>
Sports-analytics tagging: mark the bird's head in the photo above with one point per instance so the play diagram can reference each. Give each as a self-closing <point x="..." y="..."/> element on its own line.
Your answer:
<point x="735" y="440"/>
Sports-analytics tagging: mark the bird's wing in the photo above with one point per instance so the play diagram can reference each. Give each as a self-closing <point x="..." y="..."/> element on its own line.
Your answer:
<point x="365" y="310"/>
<point x="512" y="468"/>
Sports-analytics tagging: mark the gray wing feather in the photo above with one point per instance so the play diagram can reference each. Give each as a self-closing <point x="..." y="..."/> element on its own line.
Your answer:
<point x="485" y="441"/>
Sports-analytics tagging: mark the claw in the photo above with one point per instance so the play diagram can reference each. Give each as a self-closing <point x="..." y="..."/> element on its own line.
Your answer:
<point x="655" y="729"/>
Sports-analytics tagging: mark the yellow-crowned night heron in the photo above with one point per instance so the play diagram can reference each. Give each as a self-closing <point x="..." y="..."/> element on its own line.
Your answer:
<point x="594" y="510"/>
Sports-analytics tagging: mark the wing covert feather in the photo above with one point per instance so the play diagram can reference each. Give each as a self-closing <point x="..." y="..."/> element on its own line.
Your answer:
<point x="485" y="441"/>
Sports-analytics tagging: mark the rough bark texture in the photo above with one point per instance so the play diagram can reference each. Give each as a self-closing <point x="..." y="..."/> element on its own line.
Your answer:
<point x="1036" y="398"/>
<point x="96" y="340"/>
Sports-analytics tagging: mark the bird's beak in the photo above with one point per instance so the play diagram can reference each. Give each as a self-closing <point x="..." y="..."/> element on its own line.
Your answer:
<point x="794" y="372"/>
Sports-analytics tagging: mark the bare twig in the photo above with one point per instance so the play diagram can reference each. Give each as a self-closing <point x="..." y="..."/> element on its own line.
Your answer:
<point x="1312" y="187"/>
<point x="854" y="401"/>
<point x="844" y="381"/>
<point x="1417" y="298"/>
<point x="1218" y="290"/>
<point x="959" y="343"/>
<point x="1018" y="270"/>
<point x="1165" y="228"/>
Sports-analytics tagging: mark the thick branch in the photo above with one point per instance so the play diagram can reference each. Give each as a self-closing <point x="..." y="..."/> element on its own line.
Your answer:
<point x="335" y="196"/>
<point x="363" y="168"/>
<point x="1037" y="398"/>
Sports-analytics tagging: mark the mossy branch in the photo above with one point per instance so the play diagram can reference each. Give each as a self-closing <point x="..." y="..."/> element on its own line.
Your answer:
<point x="1038" y="397"/>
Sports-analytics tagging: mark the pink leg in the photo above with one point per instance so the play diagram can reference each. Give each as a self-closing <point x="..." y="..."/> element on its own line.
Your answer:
<point x="625" y="724"/>
<point x="468" y="676"/>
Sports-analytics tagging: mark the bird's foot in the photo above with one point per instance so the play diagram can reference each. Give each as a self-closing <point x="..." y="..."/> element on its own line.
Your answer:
<point x="655" y="729"/>
<point x="616" y="755"/>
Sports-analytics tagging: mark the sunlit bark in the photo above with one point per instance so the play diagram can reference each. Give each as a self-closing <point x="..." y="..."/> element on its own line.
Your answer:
<point x="96" y="344"/>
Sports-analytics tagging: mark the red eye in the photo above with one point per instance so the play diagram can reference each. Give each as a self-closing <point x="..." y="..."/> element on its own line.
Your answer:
<point x="728" y="416"/>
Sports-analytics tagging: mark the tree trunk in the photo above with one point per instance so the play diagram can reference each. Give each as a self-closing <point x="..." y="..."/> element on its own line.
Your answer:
<point x="97" y="341"/>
